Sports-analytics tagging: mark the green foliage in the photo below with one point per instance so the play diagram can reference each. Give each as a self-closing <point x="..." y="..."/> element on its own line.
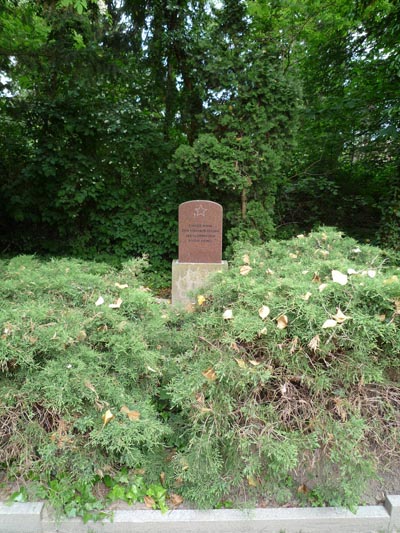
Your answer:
<point x="288" y="364"/>
<point x="65" y="361"/>
<point x="268" y="396"/>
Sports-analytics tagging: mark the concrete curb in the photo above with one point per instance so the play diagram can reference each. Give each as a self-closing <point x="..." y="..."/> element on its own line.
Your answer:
<point x="34" y="518"/>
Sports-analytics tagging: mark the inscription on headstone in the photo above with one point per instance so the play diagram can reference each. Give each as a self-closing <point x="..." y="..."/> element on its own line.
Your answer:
<point x="200" y="232"/>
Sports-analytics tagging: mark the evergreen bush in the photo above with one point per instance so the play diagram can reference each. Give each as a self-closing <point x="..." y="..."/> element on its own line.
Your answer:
<point x="283" y="380"/>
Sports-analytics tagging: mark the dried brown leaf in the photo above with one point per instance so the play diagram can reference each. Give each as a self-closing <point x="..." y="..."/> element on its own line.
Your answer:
<point x="282" y="322"/>
<point x="149" y="502"/>
<point x="175" y="499"/>
<point x="210" y="374"/>
<point x="264" y="311"/>
<point x="245" y="270"/>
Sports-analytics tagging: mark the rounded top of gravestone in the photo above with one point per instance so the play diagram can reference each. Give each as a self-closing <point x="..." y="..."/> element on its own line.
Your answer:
<point x="200" y="232"/>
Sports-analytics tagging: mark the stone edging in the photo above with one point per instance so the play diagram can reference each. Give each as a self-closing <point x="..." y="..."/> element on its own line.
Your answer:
<point x="34" y="518"/>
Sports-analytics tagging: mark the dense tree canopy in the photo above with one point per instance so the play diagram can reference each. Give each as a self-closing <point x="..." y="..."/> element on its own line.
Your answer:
<point x="113" y="112"/>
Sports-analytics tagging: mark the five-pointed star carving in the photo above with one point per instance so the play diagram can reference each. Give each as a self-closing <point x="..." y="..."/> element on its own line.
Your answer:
<point x="200" y="211"/>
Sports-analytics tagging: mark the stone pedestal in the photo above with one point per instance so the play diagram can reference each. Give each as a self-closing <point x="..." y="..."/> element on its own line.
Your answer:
<point x="190" y="277"/>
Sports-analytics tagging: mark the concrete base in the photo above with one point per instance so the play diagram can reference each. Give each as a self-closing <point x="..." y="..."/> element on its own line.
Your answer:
<point x="21" y="517"/>
<point x="32" y="518"/>
<point x="190" y="277"/>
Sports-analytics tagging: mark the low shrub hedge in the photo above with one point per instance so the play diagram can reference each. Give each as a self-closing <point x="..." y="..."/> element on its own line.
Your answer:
<point x="283" y="380"/>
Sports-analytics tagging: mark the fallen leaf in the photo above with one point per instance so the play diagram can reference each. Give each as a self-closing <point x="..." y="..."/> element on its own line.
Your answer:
<point x="144" y="289"/>
<point x="351" y="271"/>
<point x="254" y="363"/>
<point x="282" y="322"/>
<point x="314" y="343"/>
<point x="200" y="299"/>
<point x="81" y="336"/>
<point x="263" y="331"/>
<point x="132" y="415"/>
<point x="371" y="273"/>
<point x="306" y="296"/>
<point x="301" y="236"/>
<point x="99" y="301"/>
<point x="107" y="417"/>
<point x="89" y="386"/>
<point x="240" y="363"/>
<point x="294" y="345"/>
<point x="123" y="286"/>
<point x="303" y="489"/>
<point x="149" y="502"/>
<point x="392" y="279"/>
<point x="338" y="277"/>
<point x="246" y="259"/>
<point x="330" y="323"/>
<point x="381" y="318"/>
<point x="269" y="271"/>
<point x="245" y="269"/>
<point x="322" y="287"/>
<point x="252" y="481"/>
<point x="162" y="478"/>
<point x="316" y="278"/>
<point x="264" y="311"/>
<point x="356" y="250"/>
<point x="235" y="347"/>
<point x="293" y="256"/>
<point x="116" y="304"/>
<point x="210" y="374"/>
<point x="228" y="314"/>
<point x="324" y="253"/>
<point x="175" y="499"/>
<point x="340" y="317"/>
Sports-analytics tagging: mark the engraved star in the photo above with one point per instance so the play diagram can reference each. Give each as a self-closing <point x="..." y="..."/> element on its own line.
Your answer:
<point x="200" y="211"/>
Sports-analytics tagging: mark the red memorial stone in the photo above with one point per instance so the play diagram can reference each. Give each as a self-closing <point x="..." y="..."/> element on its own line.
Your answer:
<point x="200" y="232"/>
